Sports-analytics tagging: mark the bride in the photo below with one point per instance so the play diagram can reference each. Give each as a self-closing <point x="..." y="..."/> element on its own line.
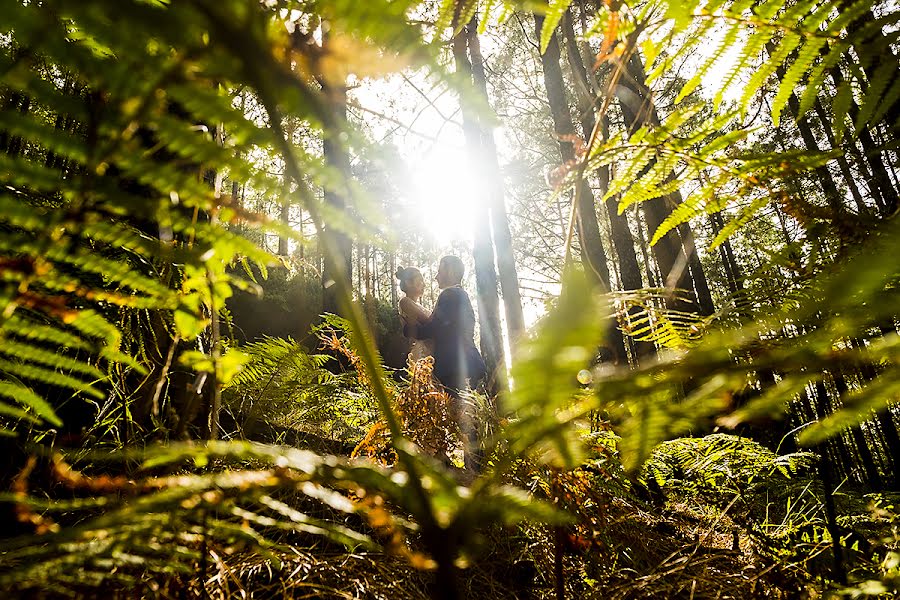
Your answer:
<point x="411" y="312"/>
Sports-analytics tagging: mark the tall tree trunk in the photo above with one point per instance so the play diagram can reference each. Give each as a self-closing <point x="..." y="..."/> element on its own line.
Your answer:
<point x="841" y="160"/>
<point x="821" y="404"/>
<point x="733" y="276"/>
<point x="832" y="195"/>
<point x="13" y="144"/>
<point x="674" y="252"/>
<point x="337" y="157"/>
<point x="506" y="262"/>
<point x="622" y="239"/>
<point x="891" y="437"/>
<point x="872" y="152"/>
<point x="879" y="46"/>
<point x="863" y="451"/>
<point x="591" y="243"/>
<point x="623" y="242"/>
<point x="290" y="128"/>
<point x="698" y="277"/>
<point x="886" y="423"/>
<point x="395" y="300"/>
<point x="482" y="251"/>
<point x="564" y="131"/>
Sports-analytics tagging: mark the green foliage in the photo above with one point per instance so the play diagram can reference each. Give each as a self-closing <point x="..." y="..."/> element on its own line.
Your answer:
<point x="554" y="12"/>
<point x="283" y="384"/>
<point x="647" y="318"/>
<point x="547" y="396"/>
<point x="722" y="466"/>
<point x="122" y="215"/>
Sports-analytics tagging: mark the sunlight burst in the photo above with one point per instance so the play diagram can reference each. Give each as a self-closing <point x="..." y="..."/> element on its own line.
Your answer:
<point x="445" y="193"/>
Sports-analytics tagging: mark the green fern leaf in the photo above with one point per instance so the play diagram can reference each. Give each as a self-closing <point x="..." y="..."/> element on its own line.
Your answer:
<point x="555" y="11"/>
<point x="840" y="106"/>
<point x="28" y="398"/>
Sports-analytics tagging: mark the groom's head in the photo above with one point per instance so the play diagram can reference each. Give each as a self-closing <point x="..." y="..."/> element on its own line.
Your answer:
<point x="450" y="271"/>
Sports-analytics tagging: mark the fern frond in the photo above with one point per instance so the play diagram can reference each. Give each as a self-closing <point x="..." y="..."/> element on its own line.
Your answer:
<point x="553" y="15"/>
<point x="27" y="398"/>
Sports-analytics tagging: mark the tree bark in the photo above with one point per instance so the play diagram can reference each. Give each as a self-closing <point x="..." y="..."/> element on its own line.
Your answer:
<point x="882" y="180"/>
<point x="863" y="451"/>
<point x="841" y="160"/>
<point x="880" y="47"/>
<point x="593" y="254"/>
<point x="675" y="256"/>
<point x="482" y="251"/>
<point x="586" y="217"/>
<point x="832" y="196"/>
<point x="733" y="276"/>
<point x="503" y="247"/>
<point x="622" y="239"/>
<point x="336" y="156"/>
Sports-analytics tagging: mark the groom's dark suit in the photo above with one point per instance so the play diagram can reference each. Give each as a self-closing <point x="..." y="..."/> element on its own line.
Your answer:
<point x="452" y="327"/>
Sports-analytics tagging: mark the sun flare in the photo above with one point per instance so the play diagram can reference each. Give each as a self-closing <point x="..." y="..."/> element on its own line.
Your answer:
<point x="445" y="195"/>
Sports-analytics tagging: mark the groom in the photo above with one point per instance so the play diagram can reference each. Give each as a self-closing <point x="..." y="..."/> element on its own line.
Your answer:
<point x="457" y="362"/>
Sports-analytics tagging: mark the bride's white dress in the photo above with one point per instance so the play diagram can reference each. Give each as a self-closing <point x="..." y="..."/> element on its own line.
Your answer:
<point x="418" y="349"/>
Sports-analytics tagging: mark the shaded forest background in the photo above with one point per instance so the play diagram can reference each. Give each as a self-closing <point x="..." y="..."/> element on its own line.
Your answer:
<point x="681" y="240"/>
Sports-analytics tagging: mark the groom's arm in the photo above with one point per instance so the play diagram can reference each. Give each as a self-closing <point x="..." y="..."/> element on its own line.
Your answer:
<point x="444" y="316"/>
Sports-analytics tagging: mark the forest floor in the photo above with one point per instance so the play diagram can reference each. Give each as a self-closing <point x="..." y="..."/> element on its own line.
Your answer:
<point x="685" y="541"/>
<point x="677" y="552"/>
<point x="762" y="536"/>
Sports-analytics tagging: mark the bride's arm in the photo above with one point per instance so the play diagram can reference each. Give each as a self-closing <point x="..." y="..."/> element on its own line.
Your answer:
<point x="413" y="311"/>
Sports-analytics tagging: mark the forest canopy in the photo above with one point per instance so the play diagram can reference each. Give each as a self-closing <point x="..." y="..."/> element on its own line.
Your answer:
<point x="420" y="299"/>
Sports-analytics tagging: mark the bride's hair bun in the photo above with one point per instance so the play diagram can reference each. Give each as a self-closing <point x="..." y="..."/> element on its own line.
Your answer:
<point x="405" y="275"/>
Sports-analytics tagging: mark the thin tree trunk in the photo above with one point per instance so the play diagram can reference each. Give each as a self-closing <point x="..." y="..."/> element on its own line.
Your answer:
<point x="336" y="156"/>
<point x="821" y="406"/>
<point x="669" y="252"/>
<point x="873" y="478"/>
<point x="482" y="251"/>
<point x="623" y="241"/>
<point x="394" y="295"/>
<point x="586" y="216"/>
<point x="841" y="160"/>
<point x="832" y="195"/>
<point x="886" y="424"/>
<point x="503" y="247"/>
<point x="872" y="152"/>
<point x="290" y="128"/>
<point x="733" y="276"/>
<point x="881" y="47"/>
<point x="588" y="228"/>
<point x="892" y="443"/>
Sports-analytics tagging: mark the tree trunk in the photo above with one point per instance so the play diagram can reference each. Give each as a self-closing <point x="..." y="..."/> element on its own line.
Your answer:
<point x="734" y="279"/>
<point x="482" y="250"/>
<point x="585" y="212"/>
<point x="821" y="406"/>
<point x="886" y="423"/>
<point x="863" y="451"/>
<point x="842" y="160"/>
<point x="882" y="180"/>
<point x="395" y="300"/>
<point x="623" y="241"/>
<point x="506" y="262"/>
<point x="337" y="157"/>
<point x="672" y="253"/>
<point x="880" y="47"/>
<point x="593" y="254"/>
<point x="686" y="247"/>
<point x="892" y="444"/>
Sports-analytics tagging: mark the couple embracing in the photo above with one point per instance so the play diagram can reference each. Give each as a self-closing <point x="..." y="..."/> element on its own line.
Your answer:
<point x="448" y="332"/>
